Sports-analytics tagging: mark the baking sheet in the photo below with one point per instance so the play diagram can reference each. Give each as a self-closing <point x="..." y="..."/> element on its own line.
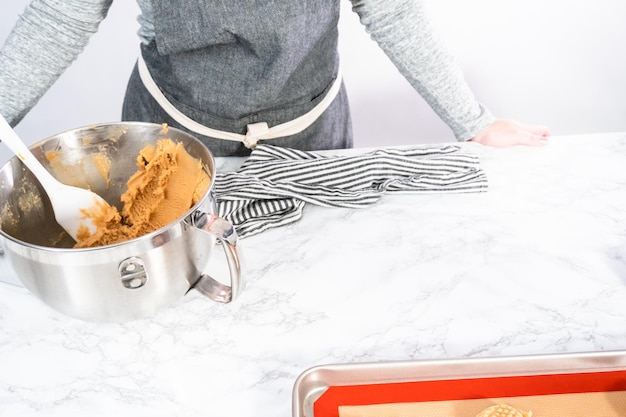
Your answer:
<point x="598" y="404"/>
<point x="549" y="385"/>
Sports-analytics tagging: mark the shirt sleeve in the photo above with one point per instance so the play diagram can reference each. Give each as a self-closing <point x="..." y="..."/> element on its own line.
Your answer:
<point x="48" y="36"/>
<point x="403" y="30"/>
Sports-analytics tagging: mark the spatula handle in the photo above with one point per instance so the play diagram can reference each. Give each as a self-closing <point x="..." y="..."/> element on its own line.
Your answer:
<point x="13" y="141"/>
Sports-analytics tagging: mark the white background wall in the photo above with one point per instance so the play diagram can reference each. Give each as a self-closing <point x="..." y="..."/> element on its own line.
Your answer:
<point x="553" y="62"/>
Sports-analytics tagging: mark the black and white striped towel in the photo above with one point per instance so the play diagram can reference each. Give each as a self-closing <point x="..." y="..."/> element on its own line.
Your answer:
<point x="273" y="185"/>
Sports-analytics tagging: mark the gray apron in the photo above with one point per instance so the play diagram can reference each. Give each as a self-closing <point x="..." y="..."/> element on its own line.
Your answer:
<point x="230" y="64"/>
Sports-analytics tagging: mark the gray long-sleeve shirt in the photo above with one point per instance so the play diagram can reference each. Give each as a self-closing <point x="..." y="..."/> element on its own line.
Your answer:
<point x="50" y="34"/>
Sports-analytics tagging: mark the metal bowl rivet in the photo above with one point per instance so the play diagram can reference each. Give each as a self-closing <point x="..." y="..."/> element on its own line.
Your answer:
<point x="132" y="273"/>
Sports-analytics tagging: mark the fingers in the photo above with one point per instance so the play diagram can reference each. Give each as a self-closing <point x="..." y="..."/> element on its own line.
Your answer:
<point x="540" y="131"/>
<point x="534" y="135"/>
<point x="536" y="140"/>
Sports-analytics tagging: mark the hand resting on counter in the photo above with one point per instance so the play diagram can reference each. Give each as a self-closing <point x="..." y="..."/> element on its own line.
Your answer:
<point x="504" y="133"/>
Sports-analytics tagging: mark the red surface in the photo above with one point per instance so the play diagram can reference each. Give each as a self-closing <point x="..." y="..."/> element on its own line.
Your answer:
<point x="465" y="389"/>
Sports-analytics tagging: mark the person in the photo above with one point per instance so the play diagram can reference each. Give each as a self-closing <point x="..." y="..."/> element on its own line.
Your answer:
<point x="236" y="73"/>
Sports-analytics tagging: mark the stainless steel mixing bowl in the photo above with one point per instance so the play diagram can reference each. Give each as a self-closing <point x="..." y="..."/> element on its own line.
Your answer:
<point x="118" y="282"/>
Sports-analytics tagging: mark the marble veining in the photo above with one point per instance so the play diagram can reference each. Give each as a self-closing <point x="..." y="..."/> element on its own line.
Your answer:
<point x="535" y="265"/>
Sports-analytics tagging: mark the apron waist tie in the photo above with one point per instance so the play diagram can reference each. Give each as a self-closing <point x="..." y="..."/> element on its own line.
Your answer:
<point x="255" y="131"/>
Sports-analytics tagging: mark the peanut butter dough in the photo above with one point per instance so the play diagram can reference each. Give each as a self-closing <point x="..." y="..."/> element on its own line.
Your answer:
<point x="167" y="184"/>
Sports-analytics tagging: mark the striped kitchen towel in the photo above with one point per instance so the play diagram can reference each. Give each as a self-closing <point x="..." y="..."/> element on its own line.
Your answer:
<point x="273" y="185"/>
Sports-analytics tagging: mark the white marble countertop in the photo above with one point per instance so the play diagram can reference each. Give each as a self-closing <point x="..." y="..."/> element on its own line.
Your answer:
<point x="535" y="265"/>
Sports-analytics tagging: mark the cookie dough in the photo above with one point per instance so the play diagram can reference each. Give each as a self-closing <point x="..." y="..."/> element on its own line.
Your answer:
<point x="167" y="184"/>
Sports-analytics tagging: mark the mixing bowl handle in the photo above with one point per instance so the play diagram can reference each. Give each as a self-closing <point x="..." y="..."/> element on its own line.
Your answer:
<point x="225" y="233"/>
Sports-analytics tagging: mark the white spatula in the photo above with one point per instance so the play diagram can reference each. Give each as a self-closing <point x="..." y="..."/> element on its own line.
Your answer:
<point x="72" y="206"/>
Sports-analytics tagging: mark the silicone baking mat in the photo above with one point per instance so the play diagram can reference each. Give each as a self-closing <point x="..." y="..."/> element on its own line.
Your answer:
<point x="572" y="385"/>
